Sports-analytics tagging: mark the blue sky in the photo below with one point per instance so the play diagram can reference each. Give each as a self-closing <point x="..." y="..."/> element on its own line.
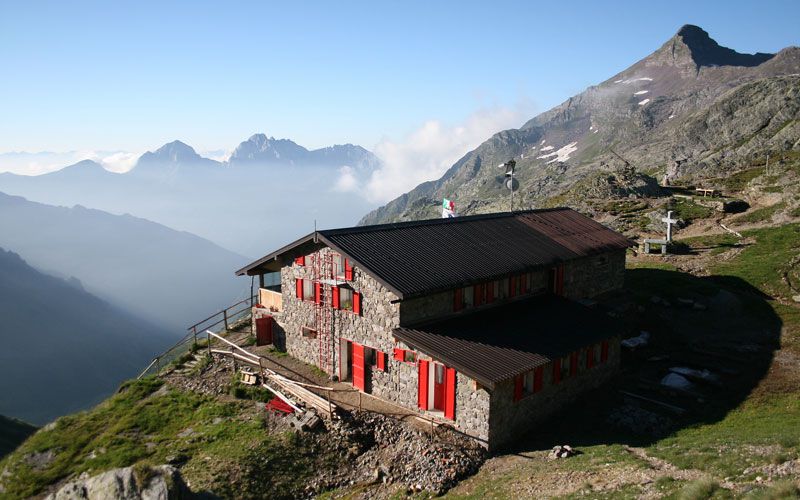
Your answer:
<point x="134" y="75"/>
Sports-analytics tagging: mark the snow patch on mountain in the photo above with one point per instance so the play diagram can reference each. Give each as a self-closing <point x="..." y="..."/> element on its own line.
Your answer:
<point x="641" y="92"/>
<point x="547" y="148"/>
<point x="642" y="103"/>
<point x="562" y="154"/>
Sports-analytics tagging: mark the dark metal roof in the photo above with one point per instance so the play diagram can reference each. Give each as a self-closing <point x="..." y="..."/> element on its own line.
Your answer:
<point x="501" y="342"/>
<point x="422" y="257"/>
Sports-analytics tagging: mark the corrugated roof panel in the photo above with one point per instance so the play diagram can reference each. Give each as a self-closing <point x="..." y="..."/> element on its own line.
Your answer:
<point x="498" y="343"/>
<point x="420" y="257"/>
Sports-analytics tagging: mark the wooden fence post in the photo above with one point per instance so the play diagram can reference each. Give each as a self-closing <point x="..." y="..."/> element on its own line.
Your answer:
<point x="194" y="335"/>
<point x="330" y="410"/>
<point x="225" y="318"/>
<point x="208" y="339"/>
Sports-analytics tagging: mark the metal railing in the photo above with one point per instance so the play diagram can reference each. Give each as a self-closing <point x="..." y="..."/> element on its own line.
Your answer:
<point x="188" y="343"/>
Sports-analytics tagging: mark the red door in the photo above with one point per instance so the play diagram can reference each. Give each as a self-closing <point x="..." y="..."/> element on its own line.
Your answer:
<point x="438" y="387"/>
<point x="422" y="392"/>
<point x="450" y="394"/>
<point x="359" y="381"/>
<point x="264" y="330"/>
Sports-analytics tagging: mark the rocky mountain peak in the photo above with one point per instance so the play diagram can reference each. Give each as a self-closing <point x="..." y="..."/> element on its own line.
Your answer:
<point x="176" y="151"/>
<point x="693" y="47"/>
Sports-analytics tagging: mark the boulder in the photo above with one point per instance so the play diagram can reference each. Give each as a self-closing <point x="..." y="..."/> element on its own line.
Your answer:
<point x="161" y="482"/>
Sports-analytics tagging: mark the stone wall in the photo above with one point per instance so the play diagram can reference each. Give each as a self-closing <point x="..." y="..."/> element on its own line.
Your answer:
<point x="372" y="328"/>
<point x="591" y="276"/>
<point x="511" y="419"/>
<point x="472" y="408"/>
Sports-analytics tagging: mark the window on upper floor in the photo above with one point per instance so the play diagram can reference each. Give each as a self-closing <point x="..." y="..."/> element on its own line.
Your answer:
<point x="308" y="290"/>
<point x="468" y="293"/>
<point x="345" y="299"/>
<point x="338" y="266"/>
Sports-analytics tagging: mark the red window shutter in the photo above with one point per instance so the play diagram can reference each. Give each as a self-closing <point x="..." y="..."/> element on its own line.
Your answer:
<point x="381" y="361"/>
<point x="458" y="299"/>
<point x="560" y="280"/>
<point x="518" y="387"/>
<point x="538" y="378"/>
<point x="317" y="293"/>
<point x="300" y="261"/>
<point x="299" y="288"/>
<point x="604" y="351"/>
<point x="523" y="283"/>
<point x="335" y="292"/>
<point x="357" y="303"/>
<point x="399" y="354"/>
<point x="590" y="356"/>
<point x="450" y="394"/>
<point x="359" y="380"/>
<point x="490" y="292"/>
<point x="422" y="392"/>
<point x="512" y="286"/>
<point x="348" y="271"/>
<point x="573" y="364"/>
<point x="557" y="371"/>
<point x="477" y="293"/>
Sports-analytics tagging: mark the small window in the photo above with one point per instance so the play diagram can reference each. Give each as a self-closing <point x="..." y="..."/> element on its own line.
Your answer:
<point x="409" y="356"/>
<point x="345" y="299"/>
<point x="469" y="296"/>
<point x="338" y="266"/>
<point x="439" y="373"/>
<point x="502" y="288"/>
<point x="527" y="384"/>
<point x="308" y="290"/>
<point x="309" y="332"/>
<point x="565" y="370"/>
<point x="370" y="359"/>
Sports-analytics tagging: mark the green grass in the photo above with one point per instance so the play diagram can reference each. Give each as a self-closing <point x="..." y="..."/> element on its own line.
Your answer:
<point x="762" y="265"/>
<point x="760" y="214"/>
<point x="143" y="426"/>
<point x="701" y="489"/>
<point x="780" y="490"/>
<point x="689" y="210"/>
<point x="722" y="448"/>
<point x="739" y="181"/>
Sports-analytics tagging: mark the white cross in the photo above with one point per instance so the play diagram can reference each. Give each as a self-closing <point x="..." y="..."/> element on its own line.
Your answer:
<point x="670" y="221"/>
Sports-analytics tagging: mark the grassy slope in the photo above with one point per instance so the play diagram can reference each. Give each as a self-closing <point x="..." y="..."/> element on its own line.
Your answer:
<point x="768" y="420"/>
<point x="148" y="424"/>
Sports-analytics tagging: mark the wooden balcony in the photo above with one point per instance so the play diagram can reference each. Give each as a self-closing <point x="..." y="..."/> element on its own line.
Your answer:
<point x="270" y="299"/>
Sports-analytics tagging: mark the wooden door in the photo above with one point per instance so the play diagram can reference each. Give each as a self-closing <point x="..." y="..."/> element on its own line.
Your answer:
<point x="264" y="330"/>
<point x="359" y="380"/>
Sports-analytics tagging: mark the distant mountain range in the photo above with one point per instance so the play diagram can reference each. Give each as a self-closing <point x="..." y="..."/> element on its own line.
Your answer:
<point x="12" y="433"/>
<point x="691" y="109"/>
<point x="63" y="348"/>
<point x="239" y="204"/>
<point x="168" y="277"/>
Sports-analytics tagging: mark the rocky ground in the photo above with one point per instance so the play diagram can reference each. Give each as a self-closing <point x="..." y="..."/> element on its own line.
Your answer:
<point x="382" y="454"/>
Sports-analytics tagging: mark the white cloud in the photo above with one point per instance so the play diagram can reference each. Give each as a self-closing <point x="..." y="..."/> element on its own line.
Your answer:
<point x="347" y="180"/>
<point x="220" y="155"/>
<point x="426" y="153"/>
<point x="44" y="162"/>
<point x="120" y="161"/>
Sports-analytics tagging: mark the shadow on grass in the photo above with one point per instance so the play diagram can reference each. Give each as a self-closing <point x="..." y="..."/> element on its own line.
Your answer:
<point x="733" y="333"/>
